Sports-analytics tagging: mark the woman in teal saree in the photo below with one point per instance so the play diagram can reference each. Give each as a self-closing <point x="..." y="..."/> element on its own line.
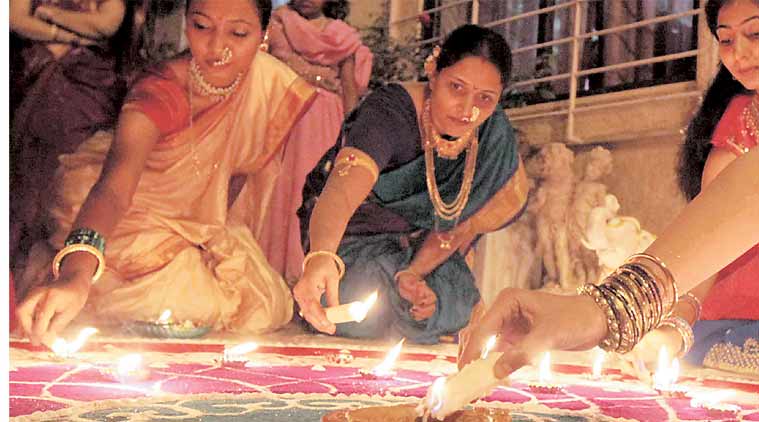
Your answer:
<point x="418" y="173"/>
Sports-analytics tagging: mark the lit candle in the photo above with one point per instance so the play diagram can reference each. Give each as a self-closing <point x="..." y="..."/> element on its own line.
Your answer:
<point x="544" y="384"/>
<point x="131" y="369"/>
<point x="598" y="364"/>
<point x="448" y="395"/>
<point x="165" y="317"/>
<point x="385" y="369"/>
<point x="63" y="349"/>
<point x="351" y="312"/>
<point x="666" y="375"/>
<point x="236" y="355"/>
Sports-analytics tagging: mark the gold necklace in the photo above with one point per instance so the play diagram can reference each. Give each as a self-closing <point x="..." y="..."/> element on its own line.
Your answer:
<point x="209" y="90"/>
<point x="449" y="150"/>
<point x="444" y="210"/>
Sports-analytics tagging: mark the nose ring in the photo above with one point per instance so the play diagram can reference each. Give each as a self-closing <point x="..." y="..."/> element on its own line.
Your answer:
<point x="475" y="114"/>
<point x="226" y="57"/>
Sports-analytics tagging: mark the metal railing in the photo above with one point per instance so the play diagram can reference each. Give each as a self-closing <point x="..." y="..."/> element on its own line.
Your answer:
<point x="575" y="40"/>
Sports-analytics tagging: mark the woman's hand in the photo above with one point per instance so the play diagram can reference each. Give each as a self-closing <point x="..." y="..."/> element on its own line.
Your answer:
<point x="320" y="276"/>
<point x="645" y="355"/>
<point x="415" y="290"/>
<point x="529" y="322"/>
<point x="48" y="309"/>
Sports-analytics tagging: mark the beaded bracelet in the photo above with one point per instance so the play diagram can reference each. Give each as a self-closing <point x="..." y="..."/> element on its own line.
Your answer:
<point x="338" y="261"/>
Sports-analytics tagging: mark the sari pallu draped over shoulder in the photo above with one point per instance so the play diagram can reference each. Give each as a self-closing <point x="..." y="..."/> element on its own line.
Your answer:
<point x="178" y="246"/>
<point x="499" y="194"/>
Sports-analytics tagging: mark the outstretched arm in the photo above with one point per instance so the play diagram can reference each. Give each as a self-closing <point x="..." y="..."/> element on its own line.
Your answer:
<point x="47" y="310"/>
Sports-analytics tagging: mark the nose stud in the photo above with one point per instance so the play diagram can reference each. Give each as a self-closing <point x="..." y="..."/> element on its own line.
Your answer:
<point x="475" y="114"/>
<point x="226" y="57"/>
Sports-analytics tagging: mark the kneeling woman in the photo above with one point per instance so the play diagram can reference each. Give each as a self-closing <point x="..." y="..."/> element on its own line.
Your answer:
<point x="161" y="198"/>
<point x="419" y="171"/>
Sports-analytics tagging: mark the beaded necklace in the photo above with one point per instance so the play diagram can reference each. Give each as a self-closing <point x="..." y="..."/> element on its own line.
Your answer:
<point x="446" y="211"/>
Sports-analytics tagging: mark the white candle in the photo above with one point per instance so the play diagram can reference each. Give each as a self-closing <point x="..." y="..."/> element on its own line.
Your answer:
<point x="350" y="312"/>
<point x="64" y="349"/>
<point x="598" y="364"/>
<point x="475" y="380"/>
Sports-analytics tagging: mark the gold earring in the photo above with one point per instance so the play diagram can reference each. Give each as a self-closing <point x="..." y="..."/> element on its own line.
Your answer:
<point x="265" y="43"/>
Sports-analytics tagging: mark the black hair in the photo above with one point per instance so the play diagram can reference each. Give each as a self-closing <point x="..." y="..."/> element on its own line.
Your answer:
<point x="336" y="9"/>
<point x="262" y="6"/>
<point x="476" y="41"/>
<point x="697" y="144"/>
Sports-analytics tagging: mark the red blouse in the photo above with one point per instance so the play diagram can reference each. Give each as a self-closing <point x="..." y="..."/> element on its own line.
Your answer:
<point x="160" y="97"/>
<point x="735" y="294"/>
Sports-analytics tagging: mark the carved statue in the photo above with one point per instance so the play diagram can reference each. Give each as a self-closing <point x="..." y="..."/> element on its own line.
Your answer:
<point x="588" y="194"/>
<point x="553" y="165"/>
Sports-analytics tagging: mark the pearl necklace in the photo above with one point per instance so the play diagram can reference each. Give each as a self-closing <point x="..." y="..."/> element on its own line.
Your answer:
<point x="209" y="90"/>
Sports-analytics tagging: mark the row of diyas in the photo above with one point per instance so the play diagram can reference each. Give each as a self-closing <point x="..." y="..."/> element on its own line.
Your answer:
<point x="445" y="396"/>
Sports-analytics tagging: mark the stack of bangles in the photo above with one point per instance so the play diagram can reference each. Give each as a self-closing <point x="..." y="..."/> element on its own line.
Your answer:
<point x="82" y="240"/>
<point x="635" y="299"/>
<point x="335" y="257"/>
<point x="683" y="329"/>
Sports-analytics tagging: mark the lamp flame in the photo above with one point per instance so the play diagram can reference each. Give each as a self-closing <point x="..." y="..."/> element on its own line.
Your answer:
<point x="436" y="395"/>
<point x="64" y="349"/>
<point x="358" y="310"/>
<point x="544" y="371"/>
<point x="598" y="363"/>
<point x="385" y="368"/>
<point x="129" y="364"/>
<point x="489" y="345"/>
<point x="165" y="316"/>
<point x="667" y="371"/>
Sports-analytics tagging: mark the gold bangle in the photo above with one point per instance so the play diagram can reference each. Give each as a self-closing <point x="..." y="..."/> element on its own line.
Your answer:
<point x="335" y="257"/>
<point x="407" y="271"/>
<point x="54" y="32"/>
<point x="685" y="331"/>
<point x="79" y="247"/>
<point x="694" y="302"/>
<point x="671" y="287"/>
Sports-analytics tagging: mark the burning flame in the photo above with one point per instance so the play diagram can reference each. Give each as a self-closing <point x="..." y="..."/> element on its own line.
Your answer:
<point x="129" y="364"/>
<point x="358" y="310"/>
<point x="436" y="395"/>
<point x="385" y="368"/>
<point x="489" y="345"/>
<point x="64" y="349"/>
<point x="544" y="371"/>
<point x="598" y="363"/>
<point x="667" y="371"/>
<point x="240" y="350"/>
<point x="164" y="318"/>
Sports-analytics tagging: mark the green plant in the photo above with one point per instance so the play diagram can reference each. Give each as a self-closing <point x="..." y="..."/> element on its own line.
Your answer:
<point x="393" y="61"/>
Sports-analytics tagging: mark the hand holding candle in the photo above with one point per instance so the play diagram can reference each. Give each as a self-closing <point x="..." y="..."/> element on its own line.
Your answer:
<point x="350" y="312"/>
<point x="473" y="381"/>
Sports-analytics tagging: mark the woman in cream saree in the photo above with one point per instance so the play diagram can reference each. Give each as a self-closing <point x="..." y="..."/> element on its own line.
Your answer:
<point x="179" y="245"/>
